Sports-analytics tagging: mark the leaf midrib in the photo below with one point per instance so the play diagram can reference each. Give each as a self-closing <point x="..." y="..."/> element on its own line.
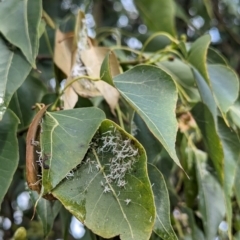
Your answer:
<point x="115" y="195"/>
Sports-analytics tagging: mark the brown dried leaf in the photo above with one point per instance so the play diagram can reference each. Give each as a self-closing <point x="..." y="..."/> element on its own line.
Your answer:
<point x="70" y="97"/>
<point x="110" y="94"/>
<point x="63" y="51"/>
<point x="92" y="59"/>
<point x="31" y="143"/>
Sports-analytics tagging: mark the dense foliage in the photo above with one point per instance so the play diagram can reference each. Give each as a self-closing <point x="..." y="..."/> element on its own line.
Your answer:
<point x="116" y="115"/>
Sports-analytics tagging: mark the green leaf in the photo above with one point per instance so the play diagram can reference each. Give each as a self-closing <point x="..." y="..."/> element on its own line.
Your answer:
<point x="105" y="71"/>
<point x="153" y="95"/>
<point x="65" y="140"/>
<point x="210" y="136"/>
<point x="215" y="57"/>
<point x="9" y="151"/>
<point x="225" y="86"/>
<point x="209" y="8"/>
<point x="158" y="15"/>
<point x="30" y="92"/>
<point x="231" y="151"/>
<point x="230" y="143"/>
<point x="198" y="55"/>
<point x="183" y="77"/>
<point x="155" y="42"/>
<point x="47" y="211"/>
<point x="110" y="191"/>
<point x="211" y="198"/>
<point x="13" y="71"/>
<point x="181" y="71"/>
<point x="206" y="94"/>
<point x="180" y="13"/>
<point x="188" y="162"/>
<point x="20" y="22"/>
<point x="234" y="113"/>
<point x="66" y="217"/>
<point x="109" y="68"/>
<point x="162" y="227"/>
<point x="147" y="139"/>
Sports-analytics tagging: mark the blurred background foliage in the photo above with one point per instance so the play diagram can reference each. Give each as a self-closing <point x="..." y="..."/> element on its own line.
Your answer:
<point x="129" y="23"/>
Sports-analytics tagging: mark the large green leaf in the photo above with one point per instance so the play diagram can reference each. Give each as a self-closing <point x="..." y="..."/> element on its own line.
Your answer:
<point x="211" y="198"/>
<point x="30" y="92"/>
<point x="158" y="15"/>
<point x="210" y="136"/>
<point x="110" y="191"/>
<point x="198" y="55"/>
<point x="47" y="211"/>
<point x="162" y="227"/>
<point x="65" y="140"/>
<point x="231" y="151"/>
<point x="13" y="71"/>
<point x="9" y="151"/>
<point x="225" y="86"/>
<point x="153" y="95"/>
<point x="20" y="22"/>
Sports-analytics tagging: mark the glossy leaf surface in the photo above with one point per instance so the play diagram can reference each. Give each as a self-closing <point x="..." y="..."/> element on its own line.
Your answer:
<point x="27" y="14"/>
<point x="65" y="140"/>
<point x="198" y="55"/>
<point x="225" y="86"/>
<point x="152" y="93"/>
<point x="210" y="136"/>
<point x="13" y="71"/>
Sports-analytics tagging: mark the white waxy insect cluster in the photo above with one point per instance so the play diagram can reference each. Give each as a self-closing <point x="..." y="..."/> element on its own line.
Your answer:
<point x="79" y="69"/>
<point x="124" y="155"/>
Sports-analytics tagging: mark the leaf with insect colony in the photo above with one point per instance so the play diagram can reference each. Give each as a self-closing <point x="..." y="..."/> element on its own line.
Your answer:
<point x="110" y="191"/>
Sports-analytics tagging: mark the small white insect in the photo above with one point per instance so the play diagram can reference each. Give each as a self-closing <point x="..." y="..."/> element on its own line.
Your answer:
<point x="34" y="143"/>
<point x="70" y="175"/>
<point x="106" y="189"/>
<point x="127" y="201"/>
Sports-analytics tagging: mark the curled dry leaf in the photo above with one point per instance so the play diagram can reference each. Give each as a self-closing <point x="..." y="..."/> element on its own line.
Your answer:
<point x="31" y="144"/>
<point x="63" y="51"/>
<point x="84" y="60"/>
<point x="70" y="97"/>
<point x="92" y="59"/>
<point x="34" y="161"/>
